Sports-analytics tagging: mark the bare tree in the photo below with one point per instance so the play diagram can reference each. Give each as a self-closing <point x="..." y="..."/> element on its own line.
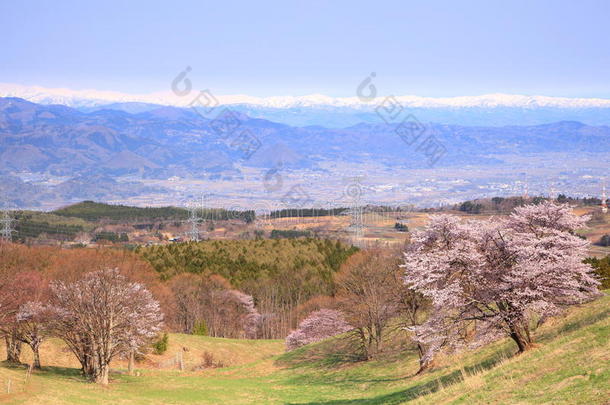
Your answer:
<point x="187" y="289"/>
<point x="226" y="312"/>
<point x="8" y="308"/>
<point x="103" y="315"/>
<point x="367" y="296"/>
<point x="22" y="293"/>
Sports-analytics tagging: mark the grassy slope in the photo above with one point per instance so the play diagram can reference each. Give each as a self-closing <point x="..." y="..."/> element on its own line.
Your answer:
<point x="571" y="365"/>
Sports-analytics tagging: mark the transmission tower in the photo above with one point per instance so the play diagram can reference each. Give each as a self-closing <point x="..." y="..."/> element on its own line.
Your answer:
<point x="604" y="203"/>
<point x="552" y="191"/>
<point x="329" y="209"/>
<point x="194" y="220"/>
<point x="356" y="226"/>
<point x="6" y="221"/>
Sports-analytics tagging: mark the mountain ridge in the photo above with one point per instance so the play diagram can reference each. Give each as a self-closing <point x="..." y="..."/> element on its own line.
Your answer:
<point x="81" y="154"/>
<point x="89" y="98"/>
<point x="63" y="140"/>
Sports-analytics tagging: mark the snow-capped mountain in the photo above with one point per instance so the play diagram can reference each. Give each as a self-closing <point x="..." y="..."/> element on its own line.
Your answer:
<point x="91" y="98"/>
<point x="335" y="112"/>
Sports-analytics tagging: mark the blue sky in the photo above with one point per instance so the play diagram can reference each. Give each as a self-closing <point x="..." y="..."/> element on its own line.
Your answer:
<point x="263" y="48"/>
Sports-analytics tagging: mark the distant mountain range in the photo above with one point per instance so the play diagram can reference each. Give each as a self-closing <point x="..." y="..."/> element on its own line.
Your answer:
<point x="337" y="112"/>
<point x="88" y="150"/>
<point x="175" y="141"/>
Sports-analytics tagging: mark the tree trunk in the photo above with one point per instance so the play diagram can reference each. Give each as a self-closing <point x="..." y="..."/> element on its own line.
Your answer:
<point x="13" y="350"/>
<point x="425" y="361"/>
<point x="378" y="338"/>
<point x="88" y="367"/>
<point x="130" y="365"/>
<point x="101" y="374"/>
<point x="36" y="351"/>
<point x="519" y="332"/>
<point x="424" y="364"/>
<point x="364" y="344"/>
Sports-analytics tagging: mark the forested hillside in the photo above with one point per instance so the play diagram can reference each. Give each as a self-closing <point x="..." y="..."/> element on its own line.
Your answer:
<point x="94" y="211"/>
<point x="279" y="274"/>
<point x="294" y="268"/>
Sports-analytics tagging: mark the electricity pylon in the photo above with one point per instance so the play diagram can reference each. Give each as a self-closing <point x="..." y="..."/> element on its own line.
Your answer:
<point x="6" y="222"/>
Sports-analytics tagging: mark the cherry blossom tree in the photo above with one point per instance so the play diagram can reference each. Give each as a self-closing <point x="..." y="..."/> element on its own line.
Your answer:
<point x="34" y="324"/>
<point x="103" y="315"/>
<point x="245" y="311"/>
<point x="319" y="325"/>
<point x="488" y="279"/>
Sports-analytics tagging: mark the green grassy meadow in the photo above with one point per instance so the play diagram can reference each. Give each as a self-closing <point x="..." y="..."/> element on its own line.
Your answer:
<point x="570" y="365"/>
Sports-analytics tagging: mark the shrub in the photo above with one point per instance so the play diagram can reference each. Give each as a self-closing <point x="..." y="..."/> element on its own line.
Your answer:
<point x="400" y="227"/>
<point x="160" y="346"/>
<point x="289" y="234"/>
<point x="208" y="361"/>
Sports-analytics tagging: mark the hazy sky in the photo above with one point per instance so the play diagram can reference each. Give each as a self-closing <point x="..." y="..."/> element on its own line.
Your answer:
<point x="262" y="48"/>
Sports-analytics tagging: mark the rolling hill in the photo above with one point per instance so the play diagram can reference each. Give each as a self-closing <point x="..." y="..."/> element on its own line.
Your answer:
<point x="568" y="366"/>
